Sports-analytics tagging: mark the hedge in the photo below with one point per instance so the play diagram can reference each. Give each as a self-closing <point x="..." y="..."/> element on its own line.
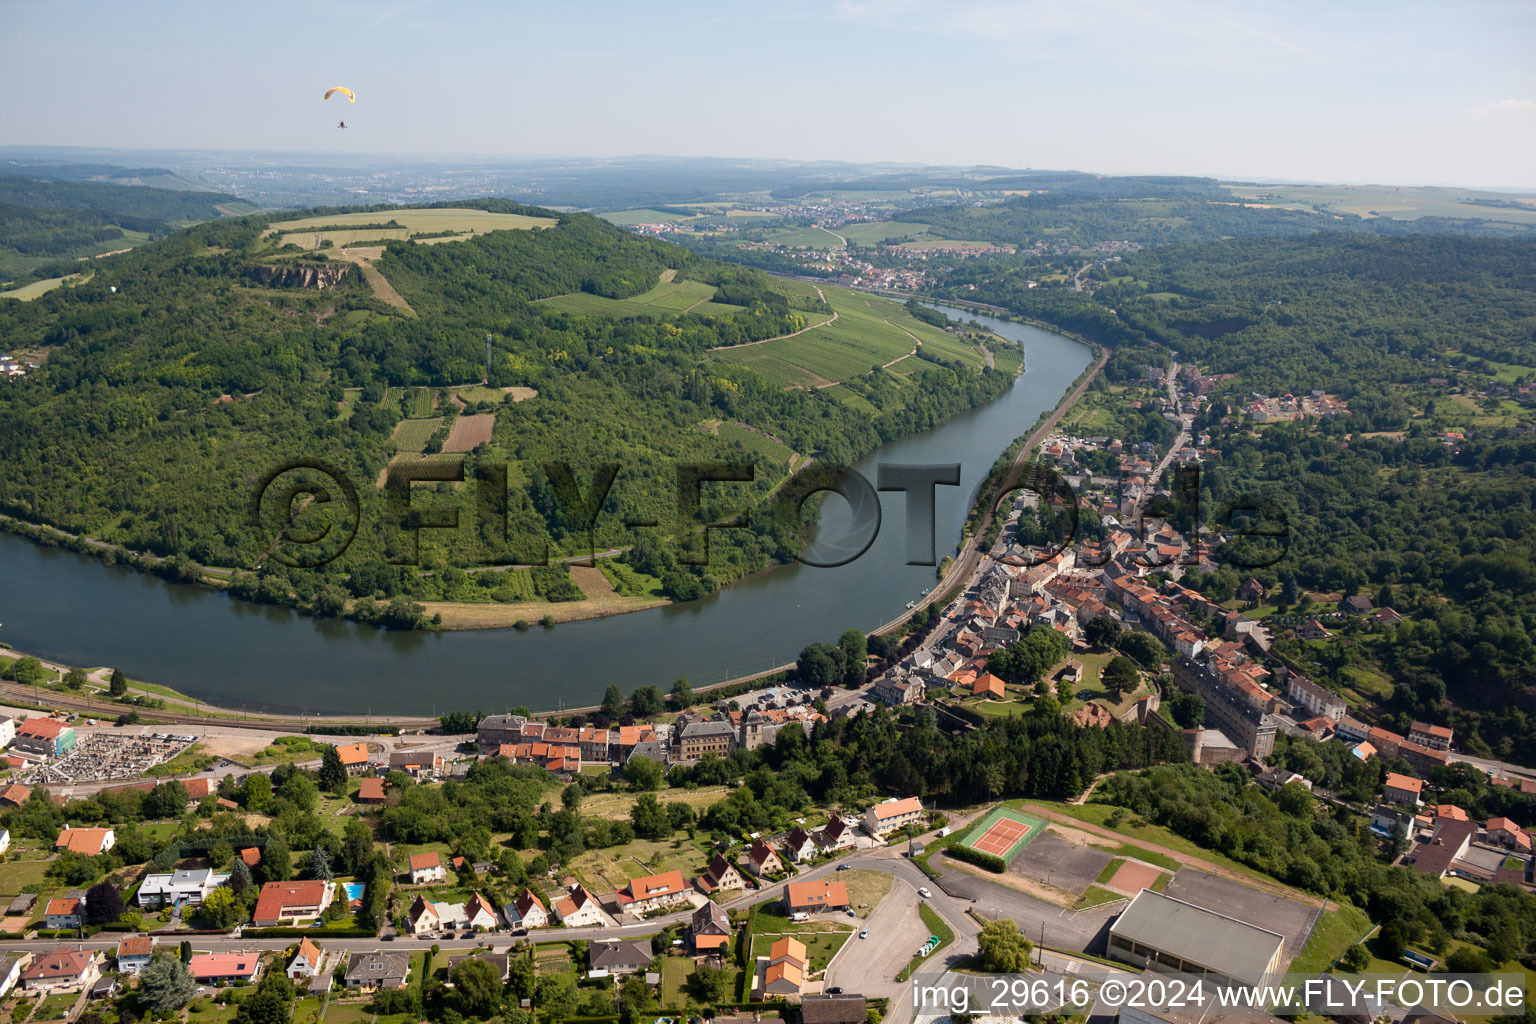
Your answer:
<point x="989" y="861"/>
<point x="310" y="933"/>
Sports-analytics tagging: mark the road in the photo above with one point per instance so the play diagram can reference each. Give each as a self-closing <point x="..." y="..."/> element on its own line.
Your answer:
<point x="1516" y="771"/>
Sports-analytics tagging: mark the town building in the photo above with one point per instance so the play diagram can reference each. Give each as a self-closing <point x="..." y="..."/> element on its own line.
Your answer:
<point x="501" y="963"/>
<point x="494" y="730"/>
<point x="1435" y="737"/>
<point x="763" y="860"/>
<point x="371" y="791"/>
<point x="354" y="757"/>
<point x="11" y="966"/>
<point x="701" y="739"/>
<point x="423" y="917"/>
<point x="1319" y="701"/>
<point x="800" y="846"/>
<point x="836" y="834"/>
<point x="416" y="763"/>
<point x="44" y="737"/>
<point x="580" y="909"/>
<point x="720" y="874"/>
<point x="1402" y="789"/>
<point x="892" y="815"/>
<point x="1228" y="706"/>
<point x="1163" y="934"/>
<point x="842" y="1008"/>
<point x="783" y="969"/>
<point x="1448" y="842"/>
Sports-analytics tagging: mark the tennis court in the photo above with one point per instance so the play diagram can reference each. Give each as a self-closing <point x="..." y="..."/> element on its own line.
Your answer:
<point x="1003" y="833"/>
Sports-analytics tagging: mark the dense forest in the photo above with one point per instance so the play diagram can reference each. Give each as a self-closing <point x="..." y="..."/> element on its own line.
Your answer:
<point x="174" y="380"/>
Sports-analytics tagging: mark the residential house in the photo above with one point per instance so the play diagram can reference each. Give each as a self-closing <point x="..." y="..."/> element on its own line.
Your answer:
<point x="290" y="901"/>
<point x="783" y="970"/>
<point x="423" y="916"/>
<point x="763" y="860"/>
<point x="800" y="846"/>
<point x="15" y="795"/>
<point x="815" y="896"/>
<point x="1321" y="702"/>
<point x="44" y="737"/>
<point x="305" y="962"/>
<point x="835" y="1009"/>
<point x="371" y="791"/>
<point x="251" y="855"/>
<point x="480" y="914"/>
<point x="427" y="867"/>
<point x="619" y="956"/>
<point x="494" y="730"/>
<point x="721" y="874"/>
<point x="892" y="815"/>
<point x="1506" y="833"/>
<point x="354" y="757"/>
<point x="1312" y="630"/>
<point x="61" y="969"/>
<point x="190" y="886"/>
<point x="652" y="892"/>
<point x="224" y="968"/>
<point x="134" y="952"/>
<point x="1402" y="789"/>
<point x="897" y="688"/>
<point x="710" y="929"/>
<point x="86" y="841"/>
<point x="11" y="966"/>
<point x="580" y="909"/>
<point x="1449" y="842"/>
<point x="1435" y="737"/>
<point x="836" y="834"/>
<point x="64" y="912"/>
<point x="1250" y="591"/>
<point x="417" y="763"/>
<point x="1355" y="604"/>
<point x="1451" y="811"/>
<point x="525" y="912"/>
<point x="376" y="970"/>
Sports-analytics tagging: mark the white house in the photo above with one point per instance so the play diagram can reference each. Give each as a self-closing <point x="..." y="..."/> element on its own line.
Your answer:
<point x="480" y="914"/>
<point x="427" y="867"/>
<point x="305" y="962"/>
<point x="525" y="912"/>
<point x="65" y="912"/>
<point x="7" y="731"/>
<point x="424" y="916"/>
<point x="800" y="846"/>
<point x="580" y="910"/>
<point x="5" y="839"/>
<point x="163" y="889"/>
<point x="134" y="952"/>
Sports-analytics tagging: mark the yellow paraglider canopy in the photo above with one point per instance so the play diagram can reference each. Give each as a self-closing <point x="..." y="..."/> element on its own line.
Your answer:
<point x="343" y="90"/>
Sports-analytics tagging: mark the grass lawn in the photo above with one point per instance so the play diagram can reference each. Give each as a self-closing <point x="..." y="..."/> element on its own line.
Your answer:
<point x="205" y="1011"/>
<point x="1096" y="894"/>
<point x="56" y="1006"/>
<point x="17" y="876"/>
<point x="865" y="889"/>
<point x="617" y="805"/>
<point x="307" y="1010"/>
<point x="674" y="976"/>
<point x="1335" y="932"/>
<point x="1110" y="869"/>
<point x="348" y="1013"/>
<point x="605" y="870"/>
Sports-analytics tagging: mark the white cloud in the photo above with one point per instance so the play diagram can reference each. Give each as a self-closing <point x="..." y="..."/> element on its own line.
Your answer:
<point x="1509" y="107"/>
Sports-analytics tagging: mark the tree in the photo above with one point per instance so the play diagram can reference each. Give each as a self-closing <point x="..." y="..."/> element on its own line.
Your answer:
<point x="333" y="774"/>
<point x="1397" y="842"/>
<point x="223" y="907"/>
<point x="270" y="1002"/>
<point x="1102" y="630"/>
<point x="276" y="862"/>
<point x="570" y="797"/>
<point x="682" y="693"/>
<point x="643" y="774"/>
<point x="103" y="903"/>
<point x="1355" y="959"/>
<point x="165" y="984"/>
<point x="320" y="865"/>
<point x="74" y="678"/>
<point x="167" y="800"/>
<point x="522" y="975"/>
<point x="239" y="877"/>
<point x="257" y="790"/>
<point x="1004" y="949"/>
<point x="300" y="790"/>
<point x="1120" y="675"/>
<point x="613" y="701"/>
<point x="1144" y="647"/>
<point x="650" y="818"/>
<point x="1187" y="709"/>
<point x="855" y="647"/>
<point x="476" y="988"/>
<point x="185" y="951"/>
<point x="819" y="665"/>
<point x="709" y="984"/>
<point x="117" y="686"/>
<point x="647" y="701"/>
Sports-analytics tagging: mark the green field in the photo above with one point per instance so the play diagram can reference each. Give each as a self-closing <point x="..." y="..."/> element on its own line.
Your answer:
<point x="28" y="292"/>
<point x="758" y="444"/>
<point x="412" y="435"/>
<point x="668" y="298"/>
<point x="869" y="331"/>
<point x="414" y="222"/>
<point x="874" y="234"/>
<point x="802" y="238"/>
<point x="626" y="218"/>
<point x="1396" y="202"/>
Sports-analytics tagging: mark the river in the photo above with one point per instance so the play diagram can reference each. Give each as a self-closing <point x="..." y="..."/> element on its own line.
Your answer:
<point x="73" y="609"/>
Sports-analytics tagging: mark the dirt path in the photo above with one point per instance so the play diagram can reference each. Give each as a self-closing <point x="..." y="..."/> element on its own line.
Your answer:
<point x="792" y="334"/>
<point x="382" y="289"/>
<point x="841" y="240"/>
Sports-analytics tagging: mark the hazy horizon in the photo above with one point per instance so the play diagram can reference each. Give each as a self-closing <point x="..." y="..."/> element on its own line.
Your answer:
<point x="1391" y="95"/>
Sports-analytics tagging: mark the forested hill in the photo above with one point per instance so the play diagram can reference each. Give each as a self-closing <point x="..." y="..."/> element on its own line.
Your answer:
<point x="44" y="219"/>
<point x="160" y="405"/>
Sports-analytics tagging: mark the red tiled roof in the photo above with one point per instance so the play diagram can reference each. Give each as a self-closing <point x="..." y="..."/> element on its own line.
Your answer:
<point x="423" y="861"/>
<point x="277" y="897"/>
<point x="353" y="754"/>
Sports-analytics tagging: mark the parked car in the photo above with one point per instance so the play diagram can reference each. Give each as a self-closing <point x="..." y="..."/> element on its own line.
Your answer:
<point x="851" y="913"/>
<point x="835" y="990"/>
<point x="844" y="867"/>
<point x="924" y="893"/>
<point x="864" y="934"/>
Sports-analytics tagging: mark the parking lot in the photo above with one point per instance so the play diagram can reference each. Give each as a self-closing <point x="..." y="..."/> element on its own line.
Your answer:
<point x="895" y="932"/>
<point x="1234" y="899"/>
<point x="1060" y="863"/>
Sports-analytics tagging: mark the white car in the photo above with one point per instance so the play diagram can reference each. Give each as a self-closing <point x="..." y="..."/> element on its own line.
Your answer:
<point x="924" y="893"/>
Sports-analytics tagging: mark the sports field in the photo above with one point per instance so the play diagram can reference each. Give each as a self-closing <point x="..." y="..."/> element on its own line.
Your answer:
<point x="1003" y="833"/>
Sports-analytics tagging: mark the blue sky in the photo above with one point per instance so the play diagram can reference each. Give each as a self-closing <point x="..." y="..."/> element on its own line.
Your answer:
<point x="1405" y="93"/>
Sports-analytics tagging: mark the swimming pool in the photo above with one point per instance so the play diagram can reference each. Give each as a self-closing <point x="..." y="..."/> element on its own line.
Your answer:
<point x="354" y="890"/>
